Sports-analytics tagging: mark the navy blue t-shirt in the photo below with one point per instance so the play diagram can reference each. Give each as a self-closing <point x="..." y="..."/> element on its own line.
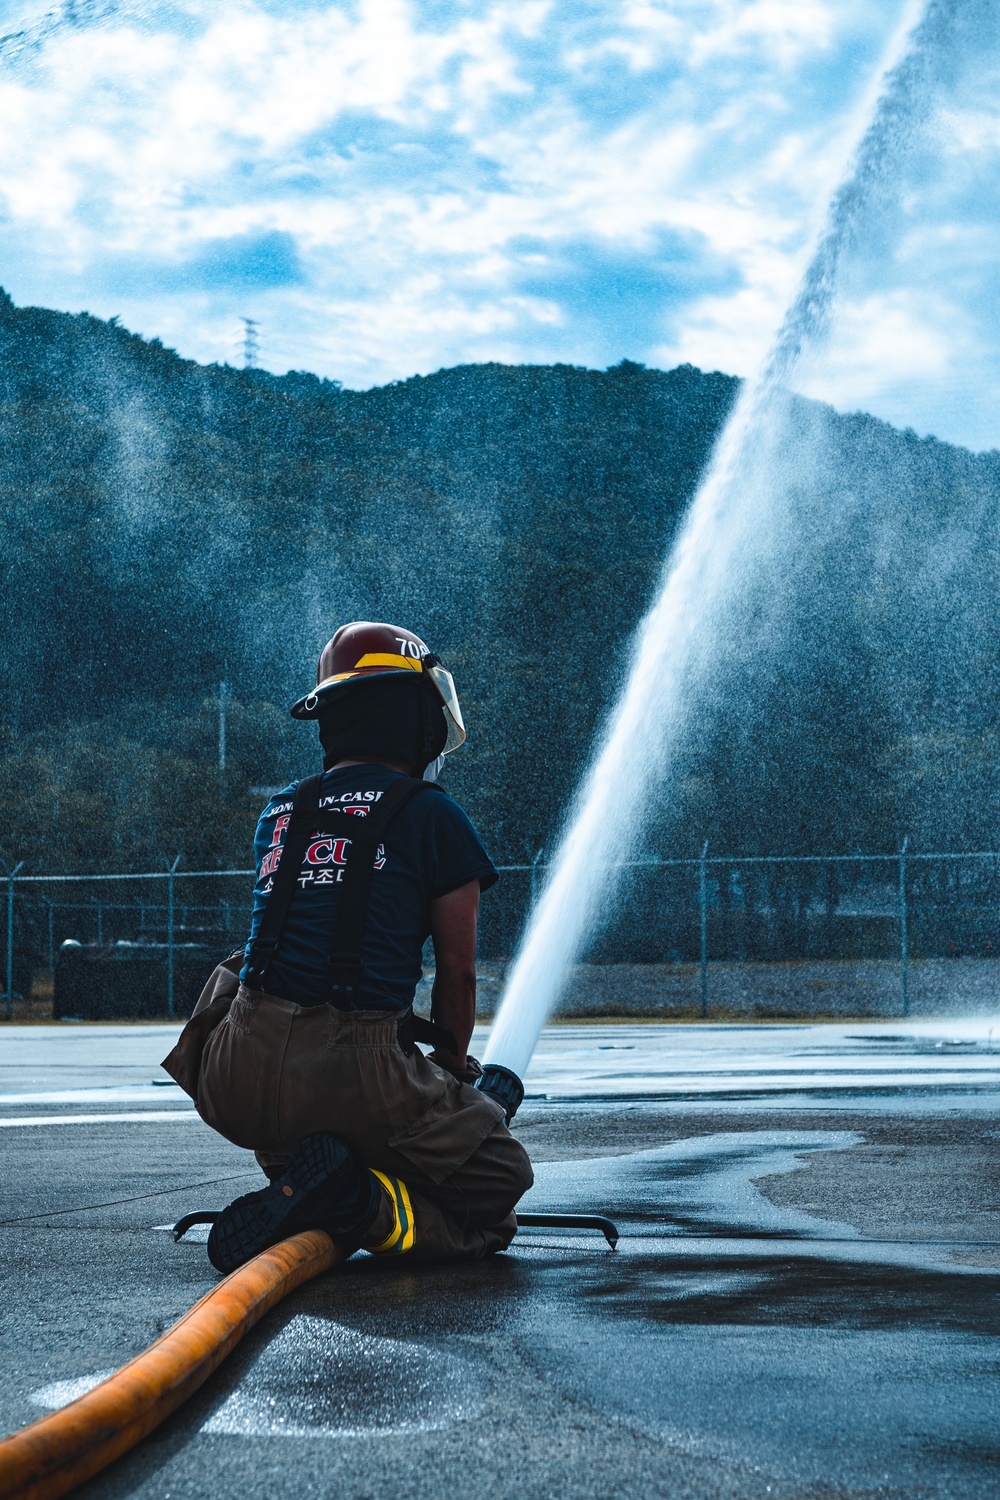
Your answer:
<point x="430" y="848"/>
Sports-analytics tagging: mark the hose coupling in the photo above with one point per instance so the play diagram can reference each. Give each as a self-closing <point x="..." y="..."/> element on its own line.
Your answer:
<point x="502" y="1085"/>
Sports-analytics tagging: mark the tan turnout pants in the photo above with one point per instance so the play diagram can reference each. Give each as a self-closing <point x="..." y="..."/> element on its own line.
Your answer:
<point x="273" y="1073"/>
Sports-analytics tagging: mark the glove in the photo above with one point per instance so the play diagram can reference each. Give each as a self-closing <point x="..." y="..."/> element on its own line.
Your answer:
<point x="468" y="1074"/>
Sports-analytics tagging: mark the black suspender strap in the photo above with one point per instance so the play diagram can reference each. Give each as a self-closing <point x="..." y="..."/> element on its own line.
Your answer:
<point x="362" y="834"/>
<point x="352" y="907"/>
<point x="305" y="810"/>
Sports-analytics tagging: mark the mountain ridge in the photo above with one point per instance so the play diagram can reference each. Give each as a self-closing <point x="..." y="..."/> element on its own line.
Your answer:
<point x="168" y="524"/>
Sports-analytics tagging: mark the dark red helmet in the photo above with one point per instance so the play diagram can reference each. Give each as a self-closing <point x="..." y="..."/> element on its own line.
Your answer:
<point x="365" y="649"/>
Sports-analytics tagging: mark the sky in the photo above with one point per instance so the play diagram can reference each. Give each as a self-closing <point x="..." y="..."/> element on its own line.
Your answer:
<point x="389" y="188"/>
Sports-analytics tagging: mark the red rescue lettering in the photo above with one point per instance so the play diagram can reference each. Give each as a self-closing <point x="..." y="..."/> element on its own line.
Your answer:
<point x="327" y="851"/>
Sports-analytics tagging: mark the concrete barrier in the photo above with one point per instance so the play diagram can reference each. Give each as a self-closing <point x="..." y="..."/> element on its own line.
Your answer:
<point x="776" y="991"/>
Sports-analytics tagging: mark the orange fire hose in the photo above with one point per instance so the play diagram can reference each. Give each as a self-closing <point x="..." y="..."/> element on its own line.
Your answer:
<point x="60" y="1451"/>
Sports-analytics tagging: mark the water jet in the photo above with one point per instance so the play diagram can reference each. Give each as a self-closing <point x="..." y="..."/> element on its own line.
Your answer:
<point x="737" y="525"/>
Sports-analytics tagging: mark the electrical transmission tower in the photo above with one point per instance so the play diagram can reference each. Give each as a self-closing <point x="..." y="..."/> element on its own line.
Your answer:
<point x="251" y="343"/>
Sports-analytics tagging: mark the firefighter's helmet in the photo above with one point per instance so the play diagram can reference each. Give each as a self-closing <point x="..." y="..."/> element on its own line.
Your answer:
<point x="366" y="649"/>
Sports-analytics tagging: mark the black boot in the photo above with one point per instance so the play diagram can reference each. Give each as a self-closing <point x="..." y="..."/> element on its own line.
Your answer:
<point x="324" y="1186"/>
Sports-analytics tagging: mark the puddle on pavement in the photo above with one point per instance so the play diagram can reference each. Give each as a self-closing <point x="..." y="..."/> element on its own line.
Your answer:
<point x="783" y="1291"/>
<point x="703" y="1189"/>
<point x="703" y="1185"/>
<point x="730" y="1326"/>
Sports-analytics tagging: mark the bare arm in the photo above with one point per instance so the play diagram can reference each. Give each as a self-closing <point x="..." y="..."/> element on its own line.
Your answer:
<point x="453" y="1003"/>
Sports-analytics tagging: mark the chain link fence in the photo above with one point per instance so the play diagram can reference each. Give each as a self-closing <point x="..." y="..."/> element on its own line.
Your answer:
<point x="162" y="931"/>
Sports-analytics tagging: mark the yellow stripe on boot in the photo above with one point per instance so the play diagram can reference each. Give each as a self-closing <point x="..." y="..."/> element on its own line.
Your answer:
<point x="402" y="1235"/>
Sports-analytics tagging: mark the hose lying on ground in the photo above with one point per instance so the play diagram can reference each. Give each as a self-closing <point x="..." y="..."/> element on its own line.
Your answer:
<point x="60" y="1451"/>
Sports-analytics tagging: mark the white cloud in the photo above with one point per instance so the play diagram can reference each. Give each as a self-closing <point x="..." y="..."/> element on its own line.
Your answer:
<point x="879" y="340"/>
<point x="390" y="189"/>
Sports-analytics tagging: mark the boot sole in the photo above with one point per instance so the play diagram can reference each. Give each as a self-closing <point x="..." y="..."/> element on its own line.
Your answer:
<point x="289" y="1204"/>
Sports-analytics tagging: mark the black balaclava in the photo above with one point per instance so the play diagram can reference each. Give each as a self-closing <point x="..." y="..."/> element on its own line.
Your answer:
<point x="388" y="716"/>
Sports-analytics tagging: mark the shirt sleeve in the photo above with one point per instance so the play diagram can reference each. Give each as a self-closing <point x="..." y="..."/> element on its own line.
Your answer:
<point x="261" y="843"/>
<point x="267" y="822"/>
<point x="453" y="851"/>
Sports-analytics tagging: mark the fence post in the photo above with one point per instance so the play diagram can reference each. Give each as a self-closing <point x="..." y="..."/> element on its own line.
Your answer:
<point x="703" y="905"/>
<point x="224" y="697"/>
<point x="10" y="938"/>
<point x="52" y="943"/>
<point x="170" y="937"/>
<point x="903" y="947"/>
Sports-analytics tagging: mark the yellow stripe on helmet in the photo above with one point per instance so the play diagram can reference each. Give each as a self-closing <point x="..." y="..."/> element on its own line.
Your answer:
<point x="373" y="659"/>
<point x="385" y="659"/>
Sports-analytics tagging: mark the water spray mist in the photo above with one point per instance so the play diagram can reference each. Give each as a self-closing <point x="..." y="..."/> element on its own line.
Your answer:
<point x="733" y="528"/>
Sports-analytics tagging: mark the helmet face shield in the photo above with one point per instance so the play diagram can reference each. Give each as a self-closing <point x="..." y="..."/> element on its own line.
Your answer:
<point x="444" y="685"/>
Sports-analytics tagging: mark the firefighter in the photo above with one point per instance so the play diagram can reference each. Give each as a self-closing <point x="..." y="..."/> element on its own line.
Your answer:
<point x="309" y="1055"/>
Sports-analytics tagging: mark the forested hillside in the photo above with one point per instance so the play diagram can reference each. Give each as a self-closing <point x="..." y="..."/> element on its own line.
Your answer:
<point x="166" y="525"/>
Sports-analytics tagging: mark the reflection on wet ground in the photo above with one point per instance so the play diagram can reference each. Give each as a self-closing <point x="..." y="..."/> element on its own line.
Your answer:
<point x="647" y="1061"/>
<point x="775" y="1338"/>
<point x="705" y="1183"/>
<point x="726" y="1328"/>
<point x="87" y="1064"/>
<point x="805" y="1302"/>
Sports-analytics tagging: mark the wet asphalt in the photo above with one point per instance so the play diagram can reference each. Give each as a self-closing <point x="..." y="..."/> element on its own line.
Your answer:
<point x="805" y="1301"/>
